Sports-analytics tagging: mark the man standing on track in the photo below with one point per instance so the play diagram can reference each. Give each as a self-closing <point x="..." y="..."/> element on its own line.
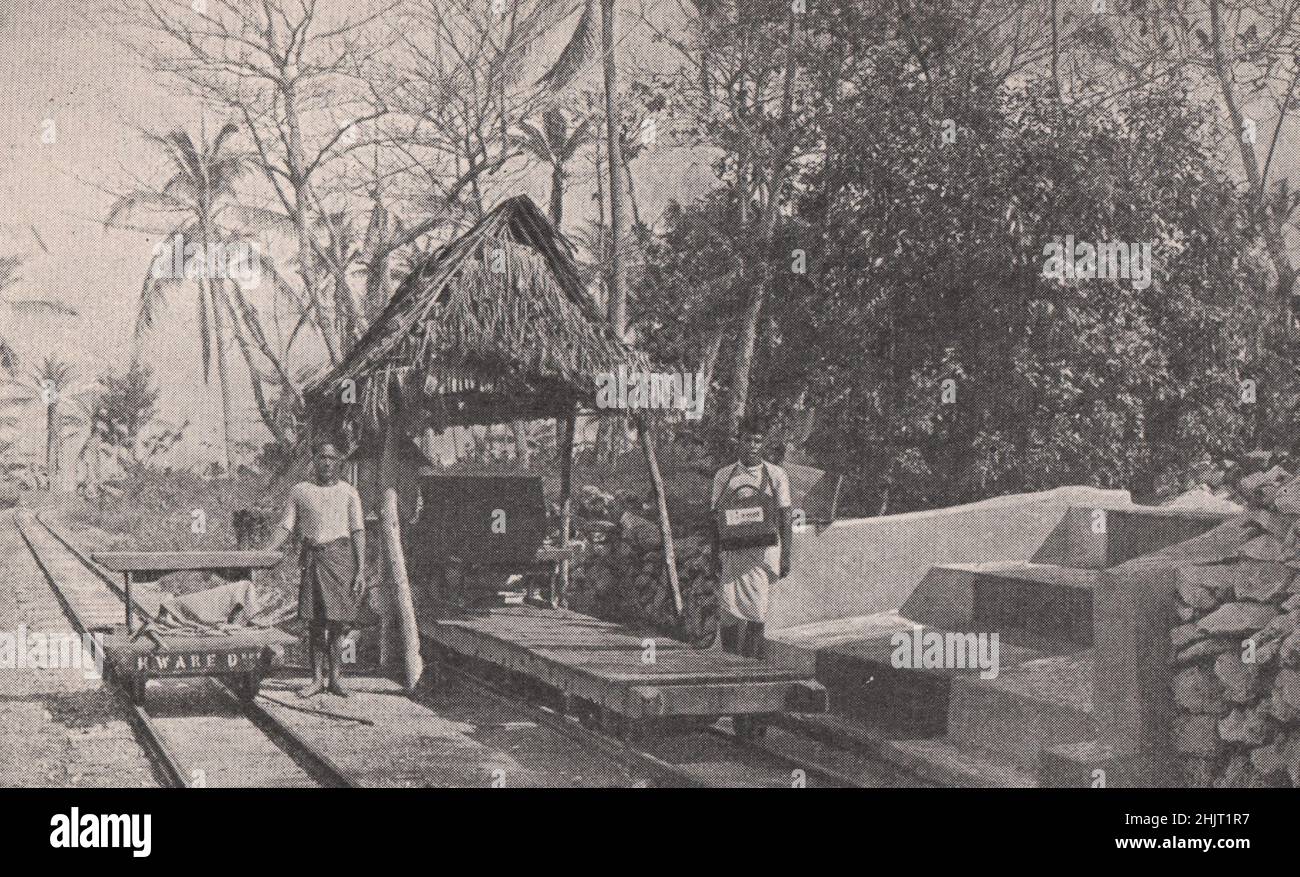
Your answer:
<point x="327" y="516"/>
<point x="752" y="514"/>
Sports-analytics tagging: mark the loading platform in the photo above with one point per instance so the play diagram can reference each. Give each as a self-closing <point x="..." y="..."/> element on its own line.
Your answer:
<point x="635" y="677"/>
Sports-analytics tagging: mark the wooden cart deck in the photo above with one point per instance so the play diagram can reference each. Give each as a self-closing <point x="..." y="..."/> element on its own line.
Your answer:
<point x="608" y="665"/>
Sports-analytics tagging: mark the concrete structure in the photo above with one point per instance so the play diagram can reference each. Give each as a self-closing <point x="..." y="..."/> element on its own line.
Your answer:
<point x="1026" y="568"/>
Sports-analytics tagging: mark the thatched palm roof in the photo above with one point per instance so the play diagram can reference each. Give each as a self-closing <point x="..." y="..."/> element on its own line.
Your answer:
<point x="494" y="326"/>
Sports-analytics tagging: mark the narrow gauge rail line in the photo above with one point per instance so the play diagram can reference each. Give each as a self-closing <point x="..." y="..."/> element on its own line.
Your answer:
<point x="703" y="758"/>
<point x="178" y="743"/>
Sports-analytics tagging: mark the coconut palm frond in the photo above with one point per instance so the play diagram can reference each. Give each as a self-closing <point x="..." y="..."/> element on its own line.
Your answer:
<point x="580" y="136"/>
<point x="582" y="47"/>
<point x="227" y="130"/>
<point x="9" y="267"/>
<point x="8" y="357"/>
<point x="255" y="219"/>
<point x="153" y="299"/>
<point x="43" y="306"/>
<point x="141" y="199"/>
<point x="530" y="139"/>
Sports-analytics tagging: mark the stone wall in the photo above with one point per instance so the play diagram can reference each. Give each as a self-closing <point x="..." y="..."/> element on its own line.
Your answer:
<point x="1235" y="650"/>
<point x="621" y="577"/>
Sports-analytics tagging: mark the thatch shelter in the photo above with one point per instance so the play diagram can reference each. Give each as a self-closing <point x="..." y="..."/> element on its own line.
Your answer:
<point x="495" y="326"/>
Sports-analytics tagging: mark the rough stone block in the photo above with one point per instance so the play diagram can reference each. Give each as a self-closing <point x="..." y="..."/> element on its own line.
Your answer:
<point x="1240" y="680"/>
<point x="1237" y="618"/>
<point x="1245" y="726"/>
<point x="1196" y="735"/>
<point x="1197" y="690"/>
<point x="1262" y="582"/>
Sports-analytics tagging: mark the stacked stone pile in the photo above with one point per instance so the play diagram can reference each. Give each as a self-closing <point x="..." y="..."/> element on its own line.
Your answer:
<point x="621" y="575"/>
<point x="1210" y="485"/>
<point x="1236" y="650"/>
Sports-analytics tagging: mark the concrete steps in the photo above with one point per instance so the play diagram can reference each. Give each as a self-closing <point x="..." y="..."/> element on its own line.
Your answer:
<point x="936" y="760"/>
<point x="1098" y="537"/>
<point x="1043" y="703"/>
<point x="1035" y="716"/>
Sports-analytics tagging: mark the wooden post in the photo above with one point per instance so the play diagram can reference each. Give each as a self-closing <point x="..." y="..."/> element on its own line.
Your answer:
<point x="386" y="477"/>
<point x="412" y="663"/>
<point x="661" y="499"/>
<point x="561" y="600"/>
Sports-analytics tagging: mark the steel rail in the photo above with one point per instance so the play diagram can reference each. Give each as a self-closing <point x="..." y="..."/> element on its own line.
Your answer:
<point x="167" y="767"/>
<point x="316" y="764"/>
<point x="624" y="752"/>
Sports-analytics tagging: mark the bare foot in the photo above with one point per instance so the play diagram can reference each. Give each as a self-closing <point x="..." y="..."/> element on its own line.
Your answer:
<point x="337" y="688"/>
<point x="312" y="690"/>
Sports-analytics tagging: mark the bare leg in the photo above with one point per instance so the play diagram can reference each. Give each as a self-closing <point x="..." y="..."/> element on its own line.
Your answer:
<point x="336" y="661"/>
<point x="316" y="649"/>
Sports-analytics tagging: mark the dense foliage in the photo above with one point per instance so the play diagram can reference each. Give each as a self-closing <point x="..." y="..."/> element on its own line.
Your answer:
<point x="921" y="223"/>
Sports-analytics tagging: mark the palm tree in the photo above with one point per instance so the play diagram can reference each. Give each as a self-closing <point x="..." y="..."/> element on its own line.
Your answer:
<point x="556" y="145"/>
<point x="50" y="383"/>
<point x="9" y="276"/>
<point x="196" y="199"/>
<point x="595" y="28"/>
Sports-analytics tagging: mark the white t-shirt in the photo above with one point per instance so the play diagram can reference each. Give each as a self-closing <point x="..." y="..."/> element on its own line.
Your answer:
<point x="323" y="514"/>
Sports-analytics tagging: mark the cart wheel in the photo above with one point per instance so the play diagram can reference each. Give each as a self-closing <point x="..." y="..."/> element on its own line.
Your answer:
<point x="750" y="728"/>
<point x="250" y="685"/>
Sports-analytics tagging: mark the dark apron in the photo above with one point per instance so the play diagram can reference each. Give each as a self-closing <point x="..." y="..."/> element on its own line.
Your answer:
<point x="325" y="593"/>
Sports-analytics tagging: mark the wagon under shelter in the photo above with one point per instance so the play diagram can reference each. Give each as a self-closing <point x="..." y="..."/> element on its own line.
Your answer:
<point x="495" y="327"/>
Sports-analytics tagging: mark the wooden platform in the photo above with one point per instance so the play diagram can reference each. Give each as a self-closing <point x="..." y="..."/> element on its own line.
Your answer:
<point x="180" y="561"/>
<point x="611" y="667"/>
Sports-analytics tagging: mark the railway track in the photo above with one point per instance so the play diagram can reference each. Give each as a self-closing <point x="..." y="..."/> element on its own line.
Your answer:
<point x="195" y="731"/>
<point x="704" y="757"/>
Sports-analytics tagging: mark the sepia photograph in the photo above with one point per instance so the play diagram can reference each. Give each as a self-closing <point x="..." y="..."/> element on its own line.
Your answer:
<point x="565" y="394"/>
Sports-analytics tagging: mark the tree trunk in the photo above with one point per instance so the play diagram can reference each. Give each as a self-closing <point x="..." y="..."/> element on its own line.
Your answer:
<point x="255" y="378"/>
<point x="614" y="146"/>
<point x="377" y="274"/>
<point x="522" y="452"/>
<point x="1274" y="233"/>
<point x="743" y="361"/>
<point x="557" y="194"/>
<point x="51" y="441"/>
<point x="216" y="296"/>
<point x="301" y="214"/>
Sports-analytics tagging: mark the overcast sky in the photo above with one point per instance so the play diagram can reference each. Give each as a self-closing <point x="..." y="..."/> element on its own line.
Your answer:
<point x="60" y="64"/>
<point x="55" y="65"/>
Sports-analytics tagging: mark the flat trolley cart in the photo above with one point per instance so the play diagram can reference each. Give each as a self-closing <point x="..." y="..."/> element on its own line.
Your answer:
<point x="134" y="656"/>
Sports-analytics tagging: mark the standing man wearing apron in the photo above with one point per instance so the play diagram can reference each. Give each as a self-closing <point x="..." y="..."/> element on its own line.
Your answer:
<point x="326" y="515"/>
<point x="752" y="516"/>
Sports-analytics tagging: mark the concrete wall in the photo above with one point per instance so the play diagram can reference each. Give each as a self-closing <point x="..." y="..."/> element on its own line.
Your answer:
<point x="1133" y="613"/>
<point x="869" y="565"/>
